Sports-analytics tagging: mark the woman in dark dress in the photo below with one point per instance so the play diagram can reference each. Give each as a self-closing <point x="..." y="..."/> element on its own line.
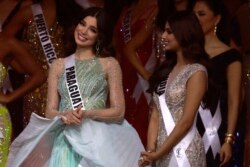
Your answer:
<point x="218" y="126"/>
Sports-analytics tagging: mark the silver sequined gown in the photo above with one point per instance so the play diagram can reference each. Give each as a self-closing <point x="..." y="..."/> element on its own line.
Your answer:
<point x="175" y="96"/>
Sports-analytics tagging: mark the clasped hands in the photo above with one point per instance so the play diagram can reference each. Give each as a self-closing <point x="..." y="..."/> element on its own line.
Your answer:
<point x="74" y="116"/>
<point x="147" y="157"/>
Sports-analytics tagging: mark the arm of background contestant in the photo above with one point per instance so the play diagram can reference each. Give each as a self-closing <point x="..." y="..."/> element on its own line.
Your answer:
<point x="23" y="62"/>
<point x="18" y="22"/>
<point x="136" y="41"/>
<point x="234" y="73"/>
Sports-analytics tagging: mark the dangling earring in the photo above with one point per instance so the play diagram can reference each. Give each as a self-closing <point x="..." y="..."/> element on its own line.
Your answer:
<point x="215" y="29"/>
<point x="97" y="48"/>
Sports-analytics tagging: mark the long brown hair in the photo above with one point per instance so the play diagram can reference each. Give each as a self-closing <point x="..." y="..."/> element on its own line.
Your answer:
<point x="188" y="32"/>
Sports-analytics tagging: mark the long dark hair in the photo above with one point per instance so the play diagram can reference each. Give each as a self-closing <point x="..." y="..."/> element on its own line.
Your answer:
<point x="68" y="12"/>
<point x="104" y="27"/>
<point x="166" y="8"/>
<point x="223" y="27"/>
<point x="188" y="32"/>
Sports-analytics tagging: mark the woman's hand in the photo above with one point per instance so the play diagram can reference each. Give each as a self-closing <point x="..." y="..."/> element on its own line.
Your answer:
<point x="225" y="153"/>
<point x="147" y="158"/>
<point x="73" y="116"/>
<point x="4" y="98"/>
<point x="147" y="75"/>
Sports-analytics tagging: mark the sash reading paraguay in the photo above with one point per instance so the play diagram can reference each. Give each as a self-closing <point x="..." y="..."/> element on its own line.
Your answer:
<point x="71" y="82"/>
<point x="43" y="33"/>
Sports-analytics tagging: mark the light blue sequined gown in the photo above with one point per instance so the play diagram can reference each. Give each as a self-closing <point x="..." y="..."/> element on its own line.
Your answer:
<point x="92" y="144"/>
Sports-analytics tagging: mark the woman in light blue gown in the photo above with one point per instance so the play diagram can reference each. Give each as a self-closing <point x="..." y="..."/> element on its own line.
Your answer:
<point x="85" y="123"/>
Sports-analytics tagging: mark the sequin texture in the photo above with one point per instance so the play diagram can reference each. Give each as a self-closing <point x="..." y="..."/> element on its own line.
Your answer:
<point x="5" y="124"/>
<point x="175" y="96"/>
<point x="36" y="100"/>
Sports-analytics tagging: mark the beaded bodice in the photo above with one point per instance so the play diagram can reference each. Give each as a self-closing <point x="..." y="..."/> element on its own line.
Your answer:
<point x="175" y="94"/>
<point x="92" y="84"/>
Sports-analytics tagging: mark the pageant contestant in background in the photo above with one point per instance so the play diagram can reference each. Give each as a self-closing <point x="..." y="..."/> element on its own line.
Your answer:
<point x="219" y="119"/>
<point x="133" y="42"/>
<point x="44" y="27"/>
<point x="17" y="57"/>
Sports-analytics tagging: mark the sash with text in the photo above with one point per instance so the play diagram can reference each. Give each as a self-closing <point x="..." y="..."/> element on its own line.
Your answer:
<point x="43" y="33"/>
<point x="71" y="82"/>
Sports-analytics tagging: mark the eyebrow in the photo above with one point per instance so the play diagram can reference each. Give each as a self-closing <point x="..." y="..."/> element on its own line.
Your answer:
<point x="91" y="26"/>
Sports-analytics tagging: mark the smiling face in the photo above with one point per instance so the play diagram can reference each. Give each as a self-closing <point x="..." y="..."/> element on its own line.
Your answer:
<point x="86" y="32"/>
<point x="169" y="41"/>
<point x="207" y="18"/>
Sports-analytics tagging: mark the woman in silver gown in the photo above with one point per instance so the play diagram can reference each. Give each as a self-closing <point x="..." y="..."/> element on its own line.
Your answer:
<point x="178" y="87"/>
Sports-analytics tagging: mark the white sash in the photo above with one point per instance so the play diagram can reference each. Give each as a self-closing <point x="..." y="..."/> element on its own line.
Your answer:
<point x="71" y="82"/>
<point x="43" y="33"/>
<point x="142" y="85"/>
<point x="179" y="157"/>
<point x="211" y="124"/>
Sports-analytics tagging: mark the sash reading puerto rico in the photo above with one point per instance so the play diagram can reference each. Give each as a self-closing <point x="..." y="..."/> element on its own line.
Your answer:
<point x="43" y="33"/>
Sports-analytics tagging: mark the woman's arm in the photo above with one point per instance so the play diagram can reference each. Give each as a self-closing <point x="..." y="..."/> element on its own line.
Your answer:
<point x="18" y="22"/>
<point x="70" y="116"/>
<point x="196" y="87"/>
<point x="152" y="136"/>
<point x="234" y="74"/>
<point x="24" y="63"/>
<point x="55" y="70"/>
<point x="136" y="41"/>
<point x="153" y="129"/>
<point x="115" y="113"/>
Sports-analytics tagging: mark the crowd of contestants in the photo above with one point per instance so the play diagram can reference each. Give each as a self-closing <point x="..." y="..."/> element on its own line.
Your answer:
<point x="161" y="83"/>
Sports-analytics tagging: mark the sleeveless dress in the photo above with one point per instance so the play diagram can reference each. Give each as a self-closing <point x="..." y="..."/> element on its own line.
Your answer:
<point x="93" y="143"/>
<point x="5" y="124"/>
<point x="36" y="100"/>
<point x="218" y="92"/>
<point x="175" y="96"/>
<point x="137" y="106"/>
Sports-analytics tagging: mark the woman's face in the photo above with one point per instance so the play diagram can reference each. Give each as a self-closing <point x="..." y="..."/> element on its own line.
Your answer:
<point x="169" y="41"/>
<point x="86" y="32"/>
<point x="206" y="17"/>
